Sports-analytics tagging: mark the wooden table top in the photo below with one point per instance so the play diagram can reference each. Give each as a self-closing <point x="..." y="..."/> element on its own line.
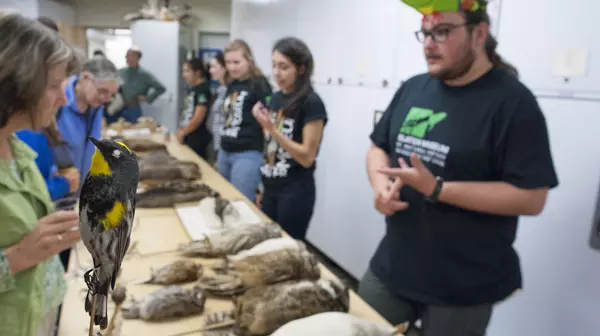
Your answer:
<point x="158" y="230"/>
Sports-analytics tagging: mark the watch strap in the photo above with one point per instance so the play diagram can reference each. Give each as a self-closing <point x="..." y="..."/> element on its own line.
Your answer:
<point x="436" y="190"/>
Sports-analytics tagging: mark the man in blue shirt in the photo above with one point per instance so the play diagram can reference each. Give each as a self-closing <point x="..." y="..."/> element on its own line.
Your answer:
<point x="81" y="117"/>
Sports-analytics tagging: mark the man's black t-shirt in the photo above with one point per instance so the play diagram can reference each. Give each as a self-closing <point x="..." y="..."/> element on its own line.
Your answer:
<point x="197" y="95"/>
<point x="279" y="168"/>
<point x="241" y="131"/>
<point x="489" y="130"/>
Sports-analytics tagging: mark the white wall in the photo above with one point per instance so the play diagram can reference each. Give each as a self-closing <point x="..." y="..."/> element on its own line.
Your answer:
<point x="62" y="12"/>
<point x="28" y="8"/>
<point x="215" y="15"/>
<point x="561" y="273"/>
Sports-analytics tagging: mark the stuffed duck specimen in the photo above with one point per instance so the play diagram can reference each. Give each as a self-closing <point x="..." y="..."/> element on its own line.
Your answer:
<point x="262" y="310"/>
<point x="274" y="260"/>
<point x="223" y="242"/>
<point x="338" y="324"/>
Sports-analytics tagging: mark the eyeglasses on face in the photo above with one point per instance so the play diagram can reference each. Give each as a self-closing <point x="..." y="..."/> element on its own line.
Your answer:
<point x="439" y="33"/>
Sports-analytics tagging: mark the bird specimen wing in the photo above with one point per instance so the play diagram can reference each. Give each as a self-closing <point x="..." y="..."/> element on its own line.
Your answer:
<point x="262" y="310"/>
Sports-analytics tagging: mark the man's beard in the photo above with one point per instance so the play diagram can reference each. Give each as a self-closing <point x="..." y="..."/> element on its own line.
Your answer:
<point x="463" y="66"/>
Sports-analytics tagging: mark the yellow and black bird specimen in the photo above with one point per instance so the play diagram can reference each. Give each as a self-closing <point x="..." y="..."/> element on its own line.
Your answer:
<point x="106" y="212"/>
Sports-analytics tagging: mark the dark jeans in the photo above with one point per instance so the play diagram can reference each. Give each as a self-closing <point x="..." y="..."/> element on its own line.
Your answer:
<point x="292" y="205"/>
<point x="198" y="143"/>
<point x="435" y="321"/>
<point x="130" y="114"/>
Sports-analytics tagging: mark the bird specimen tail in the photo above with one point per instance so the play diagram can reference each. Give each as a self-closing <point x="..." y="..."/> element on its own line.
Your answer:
<point x="401" y="328"/>
<point x="101" y="301"/>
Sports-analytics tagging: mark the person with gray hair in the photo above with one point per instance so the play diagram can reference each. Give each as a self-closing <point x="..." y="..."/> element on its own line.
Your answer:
<point x="81" y="117"/>
<point x="35" y="61"/>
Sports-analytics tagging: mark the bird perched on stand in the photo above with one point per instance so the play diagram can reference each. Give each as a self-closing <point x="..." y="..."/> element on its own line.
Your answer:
<point x="106" y="212"/>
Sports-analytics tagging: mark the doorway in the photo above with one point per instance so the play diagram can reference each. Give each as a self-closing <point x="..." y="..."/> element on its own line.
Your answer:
<point x="112" y="42"/>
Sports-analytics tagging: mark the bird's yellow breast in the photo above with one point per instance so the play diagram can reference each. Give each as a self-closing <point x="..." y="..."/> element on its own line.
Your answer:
<point x="99" y="165"/>
<point x="113" y="217"/>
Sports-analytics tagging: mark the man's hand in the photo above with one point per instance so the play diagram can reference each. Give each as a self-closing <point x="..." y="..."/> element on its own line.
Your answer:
<point x="418" y="176"/>
<point x="388" y="201"/>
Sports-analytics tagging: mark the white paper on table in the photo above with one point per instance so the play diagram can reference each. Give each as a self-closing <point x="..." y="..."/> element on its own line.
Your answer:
<point x="570" y="62"/>
<point x="136" y="132"/>
<point x="111" y="133"/>
<point x="247" y="215"/>
<point x="197" y="223"/>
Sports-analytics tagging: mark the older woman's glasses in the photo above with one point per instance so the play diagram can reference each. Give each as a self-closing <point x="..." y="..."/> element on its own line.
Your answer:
<point x="439" y="33"/>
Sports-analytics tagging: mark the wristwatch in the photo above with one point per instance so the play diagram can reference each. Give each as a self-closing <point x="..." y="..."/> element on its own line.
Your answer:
<point x="439" y="181"/>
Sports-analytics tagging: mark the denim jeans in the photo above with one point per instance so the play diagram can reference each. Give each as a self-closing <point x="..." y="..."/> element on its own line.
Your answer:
<point x="242" y="170"/>
<point x="130" y="114"/>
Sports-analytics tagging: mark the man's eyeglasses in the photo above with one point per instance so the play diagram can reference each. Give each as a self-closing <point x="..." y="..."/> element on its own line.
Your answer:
<point x="439" y="33"/>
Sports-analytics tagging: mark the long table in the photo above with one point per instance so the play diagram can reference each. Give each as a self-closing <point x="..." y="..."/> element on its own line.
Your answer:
<point x="157" y="230"/>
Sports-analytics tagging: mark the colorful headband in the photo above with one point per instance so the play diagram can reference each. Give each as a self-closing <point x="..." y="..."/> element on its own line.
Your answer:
<point x="431" y="7"/>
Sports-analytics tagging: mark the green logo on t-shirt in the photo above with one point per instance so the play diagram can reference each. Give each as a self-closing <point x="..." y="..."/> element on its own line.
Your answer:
<point x="268" y="100"/>
<point x="420" y="120"/>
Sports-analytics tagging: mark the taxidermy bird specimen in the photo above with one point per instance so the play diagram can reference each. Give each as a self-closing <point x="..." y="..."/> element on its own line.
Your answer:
<point x="160" y="166"/>
<point x="177" y="272"/>
<point x="220" y="243"/>
<point x="106" y="213"/>
<point x="262" y="310"/>
<point x="338" y="324"/>
<point x="167" y="12"/>
<point x="170" y="193"/>
<point x="219" y="213"/>
<point x="272" y="261"/>
<point x="168" y="302"/>
<point x="141" y="145"/>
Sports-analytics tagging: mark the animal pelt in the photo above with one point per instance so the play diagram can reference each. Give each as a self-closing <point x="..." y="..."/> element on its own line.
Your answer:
<point x="219" y="213"/>
<point x="168" y="302"/>
<point x="168" y="194"/>
<point x="262" y="310"/>
<point x="161" y="166"/>
<point x="180" y="271"/>
<point x="269" y="262"/>
<point x="223" y="242"/>
<point x="338" y="324"/>
<point x="142" y="144"/>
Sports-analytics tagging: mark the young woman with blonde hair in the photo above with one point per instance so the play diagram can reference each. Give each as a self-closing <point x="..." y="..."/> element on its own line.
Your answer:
<point x="240" y="157"/>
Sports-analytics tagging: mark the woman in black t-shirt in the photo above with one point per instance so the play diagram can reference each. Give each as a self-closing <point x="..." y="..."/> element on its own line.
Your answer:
<point x="193" y="131"/>
<point x="241" y="138"/>
<point x="293" y="127"/>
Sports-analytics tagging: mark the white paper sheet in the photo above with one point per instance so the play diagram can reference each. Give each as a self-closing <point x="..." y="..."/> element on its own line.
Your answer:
<point x="197" y="223"/>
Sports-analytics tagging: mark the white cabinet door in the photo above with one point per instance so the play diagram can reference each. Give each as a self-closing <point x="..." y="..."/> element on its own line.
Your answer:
<point x="159" y="43"/>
